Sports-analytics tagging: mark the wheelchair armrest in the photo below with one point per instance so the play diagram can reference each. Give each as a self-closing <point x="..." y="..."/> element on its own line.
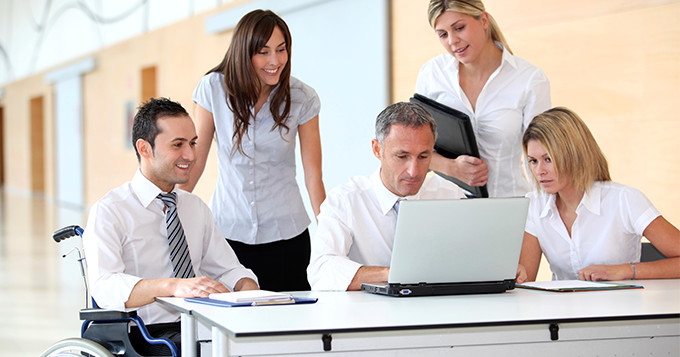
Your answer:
<point x="102" y="314"/>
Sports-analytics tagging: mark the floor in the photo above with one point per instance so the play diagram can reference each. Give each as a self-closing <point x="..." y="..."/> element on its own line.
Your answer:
<point x="41" y="291"/>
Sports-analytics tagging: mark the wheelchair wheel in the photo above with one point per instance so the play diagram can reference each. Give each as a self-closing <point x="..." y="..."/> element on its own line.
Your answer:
<point x="79" y="347"/>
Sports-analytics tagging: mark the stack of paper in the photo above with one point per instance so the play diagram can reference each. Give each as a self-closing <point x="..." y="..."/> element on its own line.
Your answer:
<point x="255" y="297"/>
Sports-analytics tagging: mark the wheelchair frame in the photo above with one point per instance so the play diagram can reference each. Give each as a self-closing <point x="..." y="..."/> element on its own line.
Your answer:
<point x="100" y="322"/>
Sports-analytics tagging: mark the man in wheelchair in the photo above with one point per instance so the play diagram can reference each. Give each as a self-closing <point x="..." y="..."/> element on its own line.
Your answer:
<point x="147" y="238"/>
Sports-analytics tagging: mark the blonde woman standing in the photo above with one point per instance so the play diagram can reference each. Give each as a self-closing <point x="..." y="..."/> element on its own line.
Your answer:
<point x="500" y="92"/>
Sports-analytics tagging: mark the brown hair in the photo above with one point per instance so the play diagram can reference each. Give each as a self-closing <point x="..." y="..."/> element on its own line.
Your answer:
<point x="570" y="145"/>
<point x="241" y="82"/>
<point x="474" y="8"/>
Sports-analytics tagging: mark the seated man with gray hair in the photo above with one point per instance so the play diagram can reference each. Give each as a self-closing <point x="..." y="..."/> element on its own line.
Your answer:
<point x="353" y="240"/>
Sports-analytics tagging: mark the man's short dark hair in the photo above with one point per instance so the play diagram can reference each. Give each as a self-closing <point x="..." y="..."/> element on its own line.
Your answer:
<point x="144" y="126"/>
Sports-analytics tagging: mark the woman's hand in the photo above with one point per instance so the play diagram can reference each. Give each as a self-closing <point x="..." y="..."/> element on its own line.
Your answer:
<point x="521" y="275"/>
<point x="606" y="272"/>
<point x="471" y="170"/>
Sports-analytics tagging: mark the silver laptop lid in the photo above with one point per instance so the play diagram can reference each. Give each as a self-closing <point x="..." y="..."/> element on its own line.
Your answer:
<point x="454" y="241"/>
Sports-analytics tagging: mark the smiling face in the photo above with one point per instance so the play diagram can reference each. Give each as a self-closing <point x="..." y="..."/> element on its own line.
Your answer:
<point x="270" y="60"/>
<point x="543" y="169"/>
<point x="463" y="36"/>
<point x="173" y="155"/>
<point x="405" y="158"/>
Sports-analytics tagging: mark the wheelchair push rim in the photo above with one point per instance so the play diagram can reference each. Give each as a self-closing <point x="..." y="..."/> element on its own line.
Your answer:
<point x="74" y="346"/>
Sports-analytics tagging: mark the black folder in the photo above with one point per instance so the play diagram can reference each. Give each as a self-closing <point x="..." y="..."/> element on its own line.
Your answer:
<point x="455" y="137"/>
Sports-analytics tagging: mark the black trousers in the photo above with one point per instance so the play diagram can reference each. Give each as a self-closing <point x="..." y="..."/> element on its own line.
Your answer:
<point x="280" y="265"/>
<point x="170" y="330"/>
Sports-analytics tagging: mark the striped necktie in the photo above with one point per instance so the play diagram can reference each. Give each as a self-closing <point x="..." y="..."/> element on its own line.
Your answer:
<point x="179" y="251"/>
<point x="396" y="204"/>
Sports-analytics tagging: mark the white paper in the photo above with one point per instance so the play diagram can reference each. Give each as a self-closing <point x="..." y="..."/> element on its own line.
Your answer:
<point x="250" y="296"/>
<point x="567" y="284"/>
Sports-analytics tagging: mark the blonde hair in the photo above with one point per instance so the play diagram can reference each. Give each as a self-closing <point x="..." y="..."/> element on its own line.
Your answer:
<point x="474" y="8"/>
<point x="570" y="145"/>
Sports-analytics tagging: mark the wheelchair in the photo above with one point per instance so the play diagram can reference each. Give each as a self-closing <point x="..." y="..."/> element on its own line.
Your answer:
<point x="104" y="333"/>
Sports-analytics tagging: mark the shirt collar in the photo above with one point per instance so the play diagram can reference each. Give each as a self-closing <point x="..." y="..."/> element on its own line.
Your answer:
<point x="591" y="201"/>
<point x="145" y="190"/>
<point x="507" y="56"/>
<point x="386" y="199"/>
<point x="549" y="205"/>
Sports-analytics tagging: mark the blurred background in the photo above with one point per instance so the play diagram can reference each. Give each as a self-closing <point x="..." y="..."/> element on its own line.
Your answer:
<point x="73" y="72"/>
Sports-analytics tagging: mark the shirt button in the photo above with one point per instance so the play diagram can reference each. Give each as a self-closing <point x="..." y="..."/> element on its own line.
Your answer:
<point x="252" y="182"/>
<point x="251" y="163"/>
<point x="252" y="203"/>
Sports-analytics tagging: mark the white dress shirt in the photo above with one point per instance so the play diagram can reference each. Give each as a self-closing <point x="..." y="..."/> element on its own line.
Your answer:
<point x="608" y="228"/>
<point x="257" y="199"/>
<point x="125" y="241"/>
<point x="356" y="228"/>
<point x="514" y="93"/>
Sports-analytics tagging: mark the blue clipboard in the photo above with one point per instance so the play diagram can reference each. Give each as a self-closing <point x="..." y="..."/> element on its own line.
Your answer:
<point x="222" y="303"/>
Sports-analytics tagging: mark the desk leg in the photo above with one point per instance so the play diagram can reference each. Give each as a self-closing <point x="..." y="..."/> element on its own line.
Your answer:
<point x="219" y="342"/>
<point x="189" y="340"/>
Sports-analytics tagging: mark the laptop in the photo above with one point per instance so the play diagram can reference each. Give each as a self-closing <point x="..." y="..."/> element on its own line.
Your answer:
<point x="455" y="137"/>
<point x="450" y="247"/>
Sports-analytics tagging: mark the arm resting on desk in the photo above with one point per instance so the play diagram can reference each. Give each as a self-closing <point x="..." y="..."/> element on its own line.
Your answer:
<point x="246" y="284"/>
<point x="529" y="260"/>
<point x="146" y="290"/>
<point x="665" y="237"/>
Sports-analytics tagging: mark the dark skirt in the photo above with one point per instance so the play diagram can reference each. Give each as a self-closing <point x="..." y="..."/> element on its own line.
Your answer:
<point x="280" y="265"/>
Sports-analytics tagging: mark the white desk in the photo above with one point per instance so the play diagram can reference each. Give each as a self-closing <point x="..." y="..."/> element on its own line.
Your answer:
<point x="518" y="322"/>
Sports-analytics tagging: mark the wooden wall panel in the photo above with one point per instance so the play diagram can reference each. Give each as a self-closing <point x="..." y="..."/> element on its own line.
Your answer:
<point x="621" y="72"/>
<point x="37" y="144"/>
<point x="179" y="55"/>
<point x="17" y="133"/>
<point x="149" y="83"/>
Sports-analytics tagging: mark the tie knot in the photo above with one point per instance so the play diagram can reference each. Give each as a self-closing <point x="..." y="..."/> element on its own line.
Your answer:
<point x="169" y="199"/>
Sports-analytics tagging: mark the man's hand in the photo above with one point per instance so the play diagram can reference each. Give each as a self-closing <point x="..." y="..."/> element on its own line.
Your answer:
<point x="197" y="287"/>
<point x="368" y="275"/>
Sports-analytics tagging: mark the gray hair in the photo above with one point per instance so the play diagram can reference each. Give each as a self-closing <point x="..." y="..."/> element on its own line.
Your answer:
<point x="405" y="114"/>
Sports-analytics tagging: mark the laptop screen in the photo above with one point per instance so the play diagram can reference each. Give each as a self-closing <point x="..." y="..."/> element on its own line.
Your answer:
<point x="453" y="241"/>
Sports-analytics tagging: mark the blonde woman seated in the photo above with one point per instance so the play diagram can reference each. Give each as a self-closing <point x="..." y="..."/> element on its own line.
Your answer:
<point x="588" y="227"/>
